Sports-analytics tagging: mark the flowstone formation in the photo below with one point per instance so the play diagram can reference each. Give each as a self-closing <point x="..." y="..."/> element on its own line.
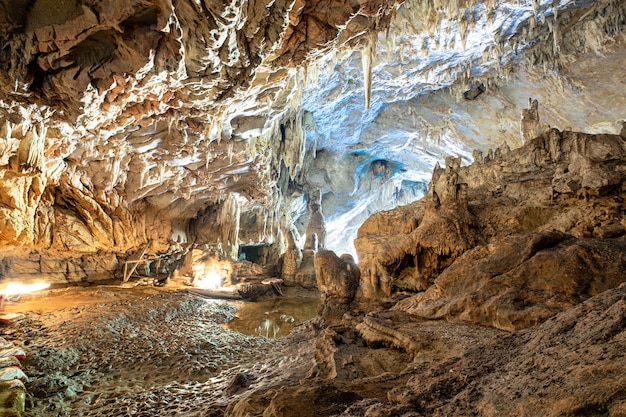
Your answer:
<point x="516" y="308"/>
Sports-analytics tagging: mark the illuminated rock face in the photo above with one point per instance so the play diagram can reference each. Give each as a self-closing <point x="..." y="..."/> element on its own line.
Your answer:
<point x="153" y="122"/>
<point x="437" y="92"/>
<point x="126" y="123"/>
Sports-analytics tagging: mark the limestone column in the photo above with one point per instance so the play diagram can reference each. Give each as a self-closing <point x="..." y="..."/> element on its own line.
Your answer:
<point x="291" y="259"/>
<point x="315" y="240"/>
<point x="316" y="228"/>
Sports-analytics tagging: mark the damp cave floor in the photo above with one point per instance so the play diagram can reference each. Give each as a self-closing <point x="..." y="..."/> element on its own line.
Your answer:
<point x="111" y="350"/>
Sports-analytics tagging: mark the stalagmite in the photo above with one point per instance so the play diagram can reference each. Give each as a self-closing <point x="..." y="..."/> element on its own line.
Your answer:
<point x="529" y="125"/>
<point x="338" y="281"/>
<point x="229" y="220"/>
<point x="317" y="223"/>
<point x="291" y="258"/>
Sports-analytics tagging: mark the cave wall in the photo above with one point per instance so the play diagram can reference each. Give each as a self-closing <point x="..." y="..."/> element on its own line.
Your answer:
<point x="438" y="93"/>
<point x="122" y="127"/>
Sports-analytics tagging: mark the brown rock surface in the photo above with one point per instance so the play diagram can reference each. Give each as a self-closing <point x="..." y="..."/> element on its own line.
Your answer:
<point x="153" y="349"/>
<point x="512" y="240"/>
<point x="127" y="123"/>
<point x="521" y="280"/>
<point x="570" y="365"/>
<point x="400" y="365"/>
<point x="337" y="280"/>
<point x="169" y="125"/>
<point x="173" y="123"/>
<point x="524" y="316"/>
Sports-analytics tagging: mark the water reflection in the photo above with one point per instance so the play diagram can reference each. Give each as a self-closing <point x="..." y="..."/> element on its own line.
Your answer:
<point x="272" y="318"/>
<point x="268" y="328"/>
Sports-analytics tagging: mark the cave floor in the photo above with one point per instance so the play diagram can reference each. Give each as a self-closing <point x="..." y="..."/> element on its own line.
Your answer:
<point x="113" y="350"/>
<point x="148" y="351"/>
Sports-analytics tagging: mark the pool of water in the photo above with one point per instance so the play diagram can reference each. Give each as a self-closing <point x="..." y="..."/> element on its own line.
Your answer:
<point x="272" y="318"/>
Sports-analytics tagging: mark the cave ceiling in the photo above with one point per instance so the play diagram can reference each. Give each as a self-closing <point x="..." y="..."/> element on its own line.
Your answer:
<point x="181" y="105"/>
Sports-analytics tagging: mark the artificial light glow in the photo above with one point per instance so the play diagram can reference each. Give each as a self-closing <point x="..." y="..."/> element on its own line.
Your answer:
<point x="16" y="288"/>
<point x="210" y="280"/>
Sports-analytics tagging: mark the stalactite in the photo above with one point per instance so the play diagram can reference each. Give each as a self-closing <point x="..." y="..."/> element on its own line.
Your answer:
<point x="115" y="169"/>
<point x="252" y="148"/>
<point x="263" y="235"/>
<point x="311" y="73"/>
<point x="208" y="160"/>
<point x="230" y="152"/>
<point x="298" y="90"/>
<point x="463" y="29"/>
<point x="142" y="179"/>
<point x="229" y="221"/>
<point x="553" y="26"/>
<point x="301" y="140"/>
<point x="535" y="12"/>
<point x="161" y="173"/>
<point x="305" y="74"/>
<point x="452" y="42"/>
<point x="7" y="132"/>
<point x="367" y="58"/>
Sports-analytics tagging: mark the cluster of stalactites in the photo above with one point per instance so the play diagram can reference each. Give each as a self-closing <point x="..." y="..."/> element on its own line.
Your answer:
<point x="427" y="17"/>
<point x="546" y="33"/>
<point x="284" y="149"/>
<point x="589" y="32"/>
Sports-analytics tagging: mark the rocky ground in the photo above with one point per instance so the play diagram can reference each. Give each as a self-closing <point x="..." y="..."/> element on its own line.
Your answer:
<point x="108" y="351"/>
<point x="501" y="293"/>
<point x="152" y="351"/>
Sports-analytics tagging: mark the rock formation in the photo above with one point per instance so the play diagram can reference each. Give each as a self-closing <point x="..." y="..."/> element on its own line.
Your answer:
<point x="291" y="259"/>
<point x="532" y="303"/>
<point x="127" y="124"/>
<point x="512" y="240"/>
<point x="445" y="230"/>
<point x="529" y="125"/>
<point x="172" y="127"/>
<point x="173" y="124"/>
<point x="337" y="280"/>
<point x="316" y="229"/>
<point x="315" y="239"/>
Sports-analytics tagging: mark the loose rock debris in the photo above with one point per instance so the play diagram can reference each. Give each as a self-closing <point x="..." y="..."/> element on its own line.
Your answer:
<point x="131" y="352"/>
